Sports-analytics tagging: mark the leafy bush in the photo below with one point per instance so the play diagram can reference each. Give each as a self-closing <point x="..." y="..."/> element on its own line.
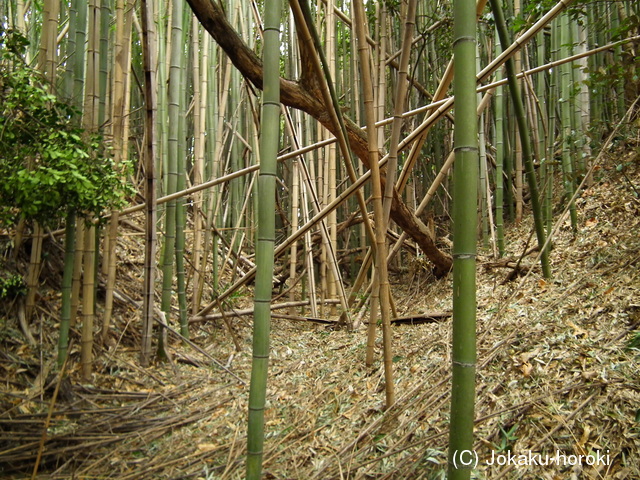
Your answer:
<point x="11" y="286"/>
<point x="48" y="165"/>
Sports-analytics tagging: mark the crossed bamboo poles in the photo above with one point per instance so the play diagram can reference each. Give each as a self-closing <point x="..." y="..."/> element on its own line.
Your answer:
<point x="433" y="112"/>
<point x="438" y="108"/>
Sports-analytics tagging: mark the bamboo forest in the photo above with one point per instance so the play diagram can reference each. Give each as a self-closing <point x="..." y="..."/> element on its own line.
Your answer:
<point x="319" y="239"/>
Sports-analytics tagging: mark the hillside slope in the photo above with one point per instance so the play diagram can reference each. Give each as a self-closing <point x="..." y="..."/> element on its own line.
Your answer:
<point x="556" y="375"/>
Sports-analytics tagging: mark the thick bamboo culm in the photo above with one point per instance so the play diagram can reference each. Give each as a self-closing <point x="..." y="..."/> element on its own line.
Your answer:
<point x="269" y="143"/>
<point x="463" y="348"/>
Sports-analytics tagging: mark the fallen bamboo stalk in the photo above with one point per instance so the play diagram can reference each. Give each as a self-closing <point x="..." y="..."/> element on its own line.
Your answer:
<point x="249" y="311"/>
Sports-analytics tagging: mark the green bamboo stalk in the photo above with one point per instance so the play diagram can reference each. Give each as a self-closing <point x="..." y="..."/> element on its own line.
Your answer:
<point x="19" y="18"/>
<point x="308" y="247"/>
<point x="47" y="62"/>
<point x="465" y="186"/>
<point x="79" y="64"/>
<point x="74" y="90"/>
<point x="181" y="167"/>
<point x="576" y="107"/>
<point x="294" y="212"/>
<point x="524" y="139"/>
<point x="269" y="141"/>
<point x="67" y="281"/>
<point x="483" y="183"/>
<point x="71" y="52"/>
<point x="554" y="85"/>
<point x="149" y="65"/>
<point x="77" y="269"/>
<point x="33" y="273"/>
<point x="331" y="157"/>
<point x="619" y="85"/>
<point x="543" y="126"/>
<point x="595" y="62"/>
<point x="181" y="213"/>
<point x="568" y="177"/>
<point x="88" y="303"/>
<point x="584" y="104"/>
<point x="175" y="90"/>
<point x="518" y="148"/>
<point x="499" y="143"/>
<point x="508" y="161"/>
<point x="210" y="169"/>
<point x="103" y="75"/>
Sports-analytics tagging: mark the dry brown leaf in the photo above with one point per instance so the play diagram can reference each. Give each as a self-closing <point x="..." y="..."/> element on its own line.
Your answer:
<point x="578" y="332"/>
<point x="591" y="222"/>
<point x="586" y="432"/>
<point x="526" y="368"/>
<point x="206" y="447"/>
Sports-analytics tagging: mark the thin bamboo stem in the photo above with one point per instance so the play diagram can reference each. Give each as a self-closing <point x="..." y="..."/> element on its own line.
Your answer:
<point x="33" y="274"/>
<point x="88" y="304"/>
<point x="380" y="231"/>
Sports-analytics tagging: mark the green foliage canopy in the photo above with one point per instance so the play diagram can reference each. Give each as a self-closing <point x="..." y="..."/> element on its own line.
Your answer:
<point x="48" y="165"/>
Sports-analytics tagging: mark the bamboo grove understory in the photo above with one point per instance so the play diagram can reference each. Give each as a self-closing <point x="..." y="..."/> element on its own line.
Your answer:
<point x="304" y="158"/>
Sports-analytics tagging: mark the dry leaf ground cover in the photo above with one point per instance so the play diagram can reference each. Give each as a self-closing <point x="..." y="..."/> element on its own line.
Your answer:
<point x="557" y="375"/>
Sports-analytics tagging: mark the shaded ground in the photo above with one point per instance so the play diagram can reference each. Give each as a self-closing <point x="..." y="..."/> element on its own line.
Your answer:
<point x="555" y="376"/>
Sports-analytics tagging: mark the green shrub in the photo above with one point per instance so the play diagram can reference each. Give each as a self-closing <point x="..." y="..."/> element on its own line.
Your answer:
<point x="48" y="165"/>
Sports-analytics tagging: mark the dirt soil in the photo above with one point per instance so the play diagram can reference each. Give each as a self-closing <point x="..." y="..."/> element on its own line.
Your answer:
<point x="557" y="375"/>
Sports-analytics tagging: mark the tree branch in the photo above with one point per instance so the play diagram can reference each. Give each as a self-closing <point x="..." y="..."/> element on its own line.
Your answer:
<point x="300" y="96"/>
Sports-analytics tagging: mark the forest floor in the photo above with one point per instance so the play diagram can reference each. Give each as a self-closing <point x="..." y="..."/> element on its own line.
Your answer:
<point x="557" y="375"/>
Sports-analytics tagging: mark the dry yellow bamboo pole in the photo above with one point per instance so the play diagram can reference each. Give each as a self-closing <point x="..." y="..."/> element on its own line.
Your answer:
<point x="380" y="92"/>
<point x="237" y="227"/>
<point x="380" y="232"/>
<point x="213" y="205"/>
<point x="200" y="87"/>
<point x="439" y="95"/>
<point x="295" y="207"/>
<point x="399" y="107"/>
<point x="302" y="231"/>
<point x="90" y="124"/>
<point x="47" y="57"/>
<point x="308" y="245"/>
<point x="307" y="39"/>
<point x="119" y="115"/>
<point x="442" y="174"/>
